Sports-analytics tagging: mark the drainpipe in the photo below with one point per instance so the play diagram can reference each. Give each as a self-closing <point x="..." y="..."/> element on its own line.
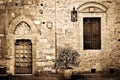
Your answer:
<point x="5" y="36"/>
<point x="55" y="34"/>
<point x="6" y="26"/>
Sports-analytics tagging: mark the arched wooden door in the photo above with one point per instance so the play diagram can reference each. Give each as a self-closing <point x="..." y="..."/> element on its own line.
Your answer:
<point x="23" y="57"/>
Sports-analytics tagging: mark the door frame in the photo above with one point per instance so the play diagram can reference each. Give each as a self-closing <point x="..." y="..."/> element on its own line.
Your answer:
<point x="11" y="39"/>
<point x="12" y="60"/>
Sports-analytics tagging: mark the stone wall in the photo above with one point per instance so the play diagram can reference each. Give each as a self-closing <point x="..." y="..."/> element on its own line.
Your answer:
<point x="71" y="34"/>
<point x="55" y="24"/>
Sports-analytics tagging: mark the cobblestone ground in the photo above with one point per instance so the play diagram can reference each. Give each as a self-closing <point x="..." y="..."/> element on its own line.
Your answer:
<point x="60" y="77"/>
<point x="29" y="78"/>
<point x="34" y="77"/>
<point x="95" y="77"/>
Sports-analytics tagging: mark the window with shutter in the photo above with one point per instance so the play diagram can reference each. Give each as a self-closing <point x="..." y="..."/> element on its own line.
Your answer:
<point x="92" y="32"/>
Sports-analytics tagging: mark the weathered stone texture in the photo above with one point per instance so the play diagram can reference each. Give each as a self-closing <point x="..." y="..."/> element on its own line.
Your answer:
<point x="57" y="16"/>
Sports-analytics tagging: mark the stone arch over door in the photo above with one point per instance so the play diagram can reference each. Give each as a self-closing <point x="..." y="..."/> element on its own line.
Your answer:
<point x="19" y="19"/>
<point x="29" y="32"/>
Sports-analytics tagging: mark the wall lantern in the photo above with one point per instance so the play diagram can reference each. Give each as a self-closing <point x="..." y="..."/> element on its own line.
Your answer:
<point x="73" y="15"/>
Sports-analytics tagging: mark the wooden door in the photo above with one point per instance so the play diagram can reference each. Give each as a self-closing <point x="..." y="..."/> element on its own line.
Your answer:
<point x="23" y="57"/>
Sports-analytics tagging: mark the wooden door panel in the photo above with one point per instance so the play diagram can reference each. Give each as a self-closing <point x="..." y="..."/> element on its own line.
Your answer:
<point x="23" y="57"/>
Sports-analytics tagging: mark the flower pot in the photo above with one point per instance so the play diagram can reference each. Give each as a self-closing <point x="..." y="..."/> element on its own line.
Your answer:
<point x="67" y="73"/>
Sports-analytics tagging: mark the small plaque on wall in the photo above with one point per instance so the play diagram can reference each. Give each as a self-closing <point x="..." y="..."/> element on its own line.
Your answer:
<point x="91" y="9"/>
<point x="49" y="25"/>
<point x="117" y="31"/>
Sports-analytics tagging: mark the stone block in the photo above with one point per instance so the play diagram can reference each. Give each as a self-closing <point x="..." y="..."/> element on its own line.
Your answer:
<point x="47" y="68"/>
<point x="49" y="51"/>
<point x="48" y="57"/>
<point x="43" y="41"/>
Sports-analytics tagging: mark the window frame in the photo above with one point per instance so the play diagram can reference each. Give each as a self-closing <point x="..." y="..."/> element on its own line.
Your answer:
<point x="98" y="39"/>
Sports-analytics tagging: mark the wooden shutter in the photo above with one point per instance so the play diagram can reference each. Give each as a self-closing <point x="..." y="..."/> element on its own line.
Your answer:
<point x="92" y="33"/>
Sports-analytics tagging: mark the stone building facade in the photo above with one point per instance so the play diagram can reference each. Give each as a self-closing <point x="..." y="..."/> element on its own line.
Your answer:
<point x="33" y="31"/>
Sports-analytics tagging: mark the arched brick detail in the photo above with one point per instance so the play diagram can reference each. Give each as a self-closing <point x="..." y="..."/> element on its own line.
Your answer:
<point x="19" y="19"/>
<point x="92" y="4"/>
<point x="11" y="38"/>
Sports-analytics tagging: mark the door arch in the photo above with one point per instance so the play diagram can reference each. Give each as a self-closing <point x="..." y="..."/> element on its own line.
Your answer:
<point x="21" y="29"/>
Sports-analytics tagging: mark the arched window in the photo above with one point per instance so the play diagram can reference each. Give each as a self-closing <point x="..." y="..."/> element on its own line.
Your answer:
<point x="92" y="18"/>
<point x="93" y="7"/>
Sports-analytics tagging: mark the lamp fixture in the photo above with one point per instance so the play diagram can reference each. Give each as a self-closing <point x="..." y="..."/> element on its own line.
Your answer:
<point x="74" y="15"/>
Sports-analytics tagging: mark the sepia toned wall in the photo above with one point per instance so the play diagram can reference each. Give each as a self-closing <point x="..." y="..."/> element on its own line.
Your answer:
<point x="56" y="31"/>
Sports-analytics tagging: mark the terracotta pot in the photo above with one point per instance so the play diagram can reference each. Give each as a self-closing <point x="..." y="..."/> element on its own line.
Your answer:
<point x="67" y="73"/>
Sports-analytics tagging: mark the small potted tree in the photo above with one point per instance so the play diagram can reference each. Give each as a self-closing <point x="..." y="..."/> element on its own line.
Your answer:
<point x="66" y="60"/>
